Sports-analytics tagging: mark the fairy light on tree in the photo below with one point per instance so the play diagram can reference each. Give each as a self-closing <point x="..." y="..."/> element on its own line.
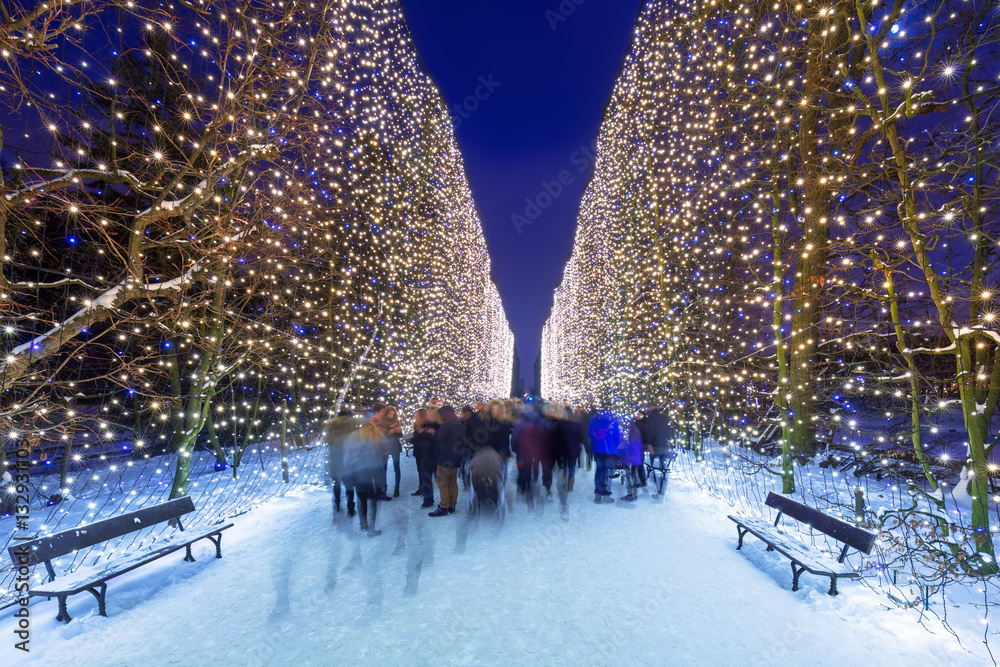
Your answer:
<point x="790" y="229"/>
<point x="252" y="211"/>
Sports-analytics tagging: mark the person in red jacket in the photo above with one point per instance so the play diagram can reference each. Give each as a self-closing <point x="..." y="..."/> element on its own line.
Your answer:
<point x="528" y="443"/>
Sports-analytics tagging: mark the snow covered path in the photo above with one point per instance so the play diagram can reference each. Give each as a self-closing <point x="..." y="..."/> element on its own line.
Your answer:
<point x="654" y="582"/>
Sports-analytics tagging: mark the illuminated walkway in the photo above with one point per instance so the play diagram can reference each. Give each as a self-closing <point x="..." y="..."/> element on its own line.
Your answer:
<point x="656" y="583"/>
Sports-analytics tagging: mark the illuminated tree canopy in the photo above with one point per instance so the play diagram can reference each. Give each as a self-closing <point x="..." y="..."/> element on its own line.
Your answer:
<point x="791" y="237"/>
<point x="227" y="220"/>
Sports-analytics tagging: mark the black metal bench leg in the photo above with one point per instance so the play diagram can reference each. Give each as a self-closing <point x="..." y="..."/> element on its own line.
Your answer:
<point x="189" y="558"/>
<point x="796" y="573"/>
<point x="833" y="586"/>
<point x="742" y="532"/>
<point x="217" y="541"/>
<point x="63" y="614"/>
<point x="100" y="594"/>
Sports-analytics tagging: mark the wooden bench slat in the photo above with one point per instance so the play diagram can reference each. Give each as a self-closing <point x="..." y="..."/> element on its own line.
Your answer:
<point x="81" y="537"/>
<point x="85" y="577"/>
<point x="849" y="534"/>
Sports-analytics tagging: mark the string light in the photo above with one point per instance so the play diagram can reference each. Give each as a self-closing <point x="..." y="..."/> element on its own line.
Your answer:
<point x="256" y="214"/>
<point x="785" y="242"/>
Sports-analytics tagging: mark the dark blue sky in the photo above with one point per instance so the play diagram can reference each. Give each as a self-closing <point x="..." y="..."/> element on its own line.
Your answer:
<point x="551" y="76"/>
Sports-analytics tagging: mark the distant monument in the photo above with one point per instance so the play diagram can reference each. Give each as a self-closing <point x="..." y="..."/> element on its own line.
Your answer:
<point x="537" y="389"/>
<point x="516" y="382"/>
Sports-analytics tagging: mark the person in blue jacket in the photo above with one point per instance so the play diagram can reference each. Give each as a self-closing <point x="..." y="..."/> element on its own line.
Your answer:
<point x="604" y="436"/>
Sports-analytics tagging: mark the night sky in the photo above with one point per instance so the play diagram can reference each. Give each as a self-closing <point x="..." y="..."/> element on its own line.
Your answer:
<point x="543" y="83"/>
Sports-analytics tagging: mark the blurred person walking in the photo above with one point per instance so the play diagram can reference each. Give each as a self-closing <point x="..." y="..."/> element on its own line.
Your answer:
<point x="486" y="473"/>
<point x="527" y="442"/>
<point x="661" y="439"/>
<point x="335" y="433"/>
<point x="364" y="451"/>
<point x="567" y="434"/>
<point x="476" y="436"/>
<point x="631" y="453"/>
<point x="499" y="428"/>
<point x="583" y="417"/>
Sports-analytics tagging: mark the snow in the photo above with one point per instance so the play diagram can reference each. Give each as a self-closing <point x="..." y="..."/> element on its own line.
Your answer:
<point x="931" y="350"/>
<point x="657" y="582"/>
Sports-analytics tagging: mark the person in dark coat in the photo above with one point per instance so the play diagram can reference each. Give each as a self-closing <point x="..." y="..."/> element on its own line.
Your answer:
<point x="660" y="433"/>
<point x="568" y="436"/>
<point x="499" y="429"/>
<point x="642" y="434"/>
<point x="451" y="451"/>
<point x="584" y="417"/>
<point x="425" y="431"/>
<point x="553" y="447"/>
<point x="604" y="438"/>
<point x="335" y="433"/>
<point x="476" y="436"/>
<point x="476" y="429"/>
<point x="416" y="446"/>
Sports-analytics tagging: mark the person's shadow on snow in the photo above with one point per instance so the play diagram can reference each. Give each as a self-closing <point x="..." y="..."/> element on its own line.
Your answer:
<point x="419" y="554"/>
<point x="334" y="550"/>
<point x="281" y="579"/>
<point x="462" y="530"/>
<point x="374" y="588"/>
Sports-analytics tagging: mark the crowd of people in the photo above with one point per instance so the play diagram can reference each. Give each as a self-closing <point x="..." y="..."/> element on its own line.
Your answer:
<point x="548" y="442"/>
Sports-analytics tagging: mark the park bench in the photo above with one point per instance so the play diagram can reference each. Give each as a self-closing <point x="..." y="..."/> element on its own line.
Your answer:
<point x="94" y="579"/>
<point x="804" y="557"/>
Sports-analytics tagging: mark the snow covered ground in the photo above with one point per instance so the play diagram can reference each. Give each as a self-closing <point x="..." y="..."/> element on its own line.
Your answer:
<point x="654" y="582"/>
<point x="100" y="492"/>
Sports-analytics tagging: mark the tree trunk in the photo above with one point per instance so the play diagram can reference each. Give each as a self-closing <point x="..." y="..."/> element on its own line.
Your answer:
<point x="202" y="390"/>
<point x="781" y="391"/>
<point x="977" y="426"/>
<point x="220" y="454"/>
<point x="812" y="264"/>
<point x="249" y="434"/>
<point x="284" y="445"/>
